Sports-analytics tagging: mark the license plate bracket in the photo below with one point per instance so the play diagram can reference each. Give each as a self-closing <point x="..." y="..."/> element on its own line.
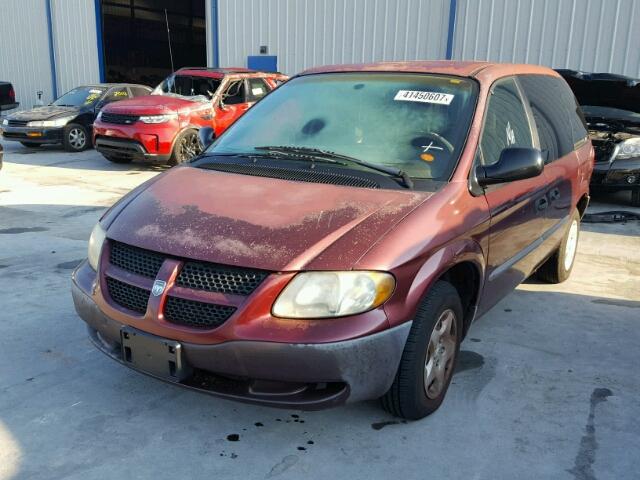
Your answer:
<point x="155" y="355"/>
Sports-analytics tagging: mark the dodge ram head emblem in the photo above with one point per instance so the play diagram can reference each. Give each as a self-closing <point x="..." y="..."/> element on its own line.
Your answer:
<point x="158" y="287"/>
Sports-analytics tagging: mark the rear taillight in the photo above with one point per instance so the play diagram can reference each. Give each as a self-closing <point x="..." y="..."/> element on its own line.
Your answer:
<point x="12" y="94"/>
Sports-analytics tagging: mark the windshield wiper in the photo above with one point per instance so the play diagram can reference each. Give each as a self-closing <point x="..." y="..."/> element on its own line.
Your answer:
<point x="329" y="155"/>
<point x="271" y="154"/>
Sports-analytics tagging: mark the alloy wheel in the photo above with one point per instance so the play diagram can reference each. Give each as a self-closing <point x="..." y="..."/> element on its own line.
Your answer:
<point x="441" y="352"/>
<point x="189" y="147"/>
<point x="77" y="138"/>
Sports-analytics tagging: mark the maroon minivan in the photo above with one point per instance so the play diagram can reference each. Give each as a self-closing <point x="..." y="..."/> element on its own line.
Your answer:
<point x="336" y="243"/>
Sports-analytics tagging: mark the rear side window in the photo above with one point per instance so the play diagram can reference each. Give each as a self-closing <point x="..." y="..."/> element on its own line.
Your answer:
<point x="557" y="115"/>
<point x="257" y="89"/>
<point x="139" y="91"/>
<point x="506" y="123"/>
<point x="116" y="94"/>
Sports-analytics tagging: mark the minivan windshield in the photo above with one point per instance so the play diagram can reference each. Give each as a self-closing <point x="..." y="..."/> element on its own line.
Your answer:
<point x="416" y="123"/>
<point x="80" y="96"/>
<point x="187" y="86"/>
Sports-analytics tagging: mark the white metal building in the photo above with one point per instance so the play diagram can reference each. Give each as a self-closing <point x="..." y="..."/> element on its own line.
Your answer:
<point x="53" y="45"/>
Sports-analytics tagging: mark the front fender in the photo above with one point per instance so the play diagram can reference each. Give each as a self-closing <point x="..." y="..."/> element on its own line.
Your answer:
<point x="407" y="298"/>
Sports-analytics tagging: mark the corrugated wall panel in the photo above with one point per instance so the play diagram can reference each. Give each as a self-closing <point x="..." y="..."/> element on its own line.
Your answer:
<point x="24" y="53"/>
<point x="589" y="35"/>
<point x="305" y="33"/>
<point x="75" y="40"/>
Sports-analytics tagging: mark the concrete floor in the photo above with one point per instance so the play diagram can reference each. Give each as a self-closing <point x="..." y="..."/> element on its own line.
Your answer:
<point x="547" y="387"/>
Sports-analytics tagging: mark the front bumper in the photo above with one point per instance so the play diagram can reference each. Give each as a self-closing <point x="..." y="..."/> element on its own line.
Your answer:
<point x="305" y="376"/>
<point x="139" y="141"/>
<point x="125" y="148"/>
<point x="39" y="135"/>
<point x="616" y="175"/>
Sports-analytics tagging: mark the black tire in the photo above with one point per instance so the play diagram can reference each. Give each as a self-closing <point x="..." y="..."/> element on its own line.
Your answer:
<point x="186" y="147"/>
<point x="31" y="144"/>
<point x="118" y="159"/>
<point x="407" y="397"/>
<point x="555" y="270"/>
<point x="75" y="138"/>
<point x="635" y="197"/>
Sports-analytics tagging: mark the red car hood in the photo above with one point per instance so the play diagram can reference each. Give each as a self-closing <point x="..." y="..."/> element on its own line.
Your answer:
<point x="151" y="104"/>
<point x="259" y="222"/>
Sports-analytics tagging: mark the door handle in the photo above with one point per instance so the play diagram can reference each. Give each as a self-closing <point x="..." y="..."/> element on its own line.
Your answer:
<point x="554" y="194"/>
<point x="542" y="203"/>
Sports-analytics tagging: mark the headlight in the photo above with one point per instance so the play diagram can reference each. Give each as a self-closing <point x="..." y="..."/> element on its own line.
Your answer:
<point x="333" y="294"/>
<point x="5" y="122"/>
<point x="158" y="118"/>
<point x="95" y="245"/>
<point x="99" y="116"/>
<point x="629" y="148"/>
<point x="57" y="122"/>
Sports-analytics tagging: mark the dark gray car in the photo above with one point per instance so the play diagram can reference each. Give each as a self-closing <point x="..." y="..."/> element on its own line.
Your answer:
<point x="611" y="106"/>
<point x="69" y="119"/>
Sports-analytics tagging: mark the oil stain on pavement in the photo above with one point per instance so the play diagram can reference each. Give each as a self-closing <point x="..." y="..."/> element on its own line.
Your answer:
<point x="583" y="467"/>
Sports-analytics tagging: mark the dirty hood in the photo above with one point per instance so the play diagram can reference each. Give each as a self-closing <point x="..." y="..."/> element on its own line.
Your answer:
<point x="44" y="113"/>
<point x="259" y="222"/>
<point x="604" y="90"/>
<point x="153" y="104"/>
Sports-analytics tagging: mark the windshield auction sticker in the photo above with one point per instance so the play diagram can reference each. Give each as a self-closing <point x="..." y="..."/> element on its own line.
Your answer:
<point x="424" y="97"/>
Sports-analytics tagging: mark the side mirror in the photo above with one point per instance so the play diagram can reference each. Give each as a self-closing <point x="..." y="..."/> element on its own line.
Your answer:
<point x="205" y="135"/>
<point x="515" y="163"/>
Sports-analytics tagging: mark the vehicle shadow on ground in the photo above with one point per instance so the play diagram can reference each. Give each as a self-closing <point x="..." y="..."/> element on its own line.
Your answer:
<point x="56" y="156"/>
<point x="611" y="202"/>
<point x="601" y="200"/>
<point x="98" y="418"/>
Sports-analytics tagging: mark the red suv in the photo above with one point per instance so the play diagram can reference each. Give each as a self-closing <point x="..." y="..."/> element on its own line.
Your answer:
<point x="339" y="240"/>
<point x="163" y="127"/>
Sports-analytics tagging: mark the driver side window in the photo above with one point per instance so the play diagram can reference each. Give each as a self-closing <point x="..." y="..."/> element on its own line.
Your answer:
<point x="505" y="124"/>
<point x="235" y="93"/>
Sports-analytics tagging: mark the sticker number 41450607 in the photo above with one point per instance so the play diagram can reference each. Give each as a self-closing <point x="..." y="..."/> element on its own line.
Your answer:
<point x="424" y="97"/>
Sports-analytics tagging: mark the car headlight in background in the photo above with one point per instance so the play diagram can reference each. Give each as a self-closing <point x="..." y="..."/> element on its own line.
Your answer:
<point x="56" y="122"/>
<point x="5" y="122"/>
<point x="629" y="148"/>
<point x="333" y="294"/>
<point x="158" y="118"/>
<point x="99" y="116"/>
<point x="96" y="240"/>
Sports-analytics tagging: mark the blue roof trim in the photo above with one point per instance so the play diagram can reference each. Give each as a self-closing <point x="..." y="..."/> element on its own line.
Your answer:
<point x="453" y="10"/>
<point x="98" y="4"/>
<point x="52" y="55"/>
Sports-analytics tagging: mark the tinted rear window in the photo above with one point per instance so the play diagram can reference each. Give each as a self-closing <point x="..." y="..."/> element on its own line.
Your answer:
<point x="557" y="115"/>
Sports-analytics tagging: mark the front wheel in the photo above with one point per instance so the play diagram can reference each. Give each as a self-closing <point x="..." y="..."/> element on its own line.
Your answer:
<point x="558" y="267"/>
<point x="186" y="147"/>
<point x="75" y="138"/>
<point x="429" y="356"/>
